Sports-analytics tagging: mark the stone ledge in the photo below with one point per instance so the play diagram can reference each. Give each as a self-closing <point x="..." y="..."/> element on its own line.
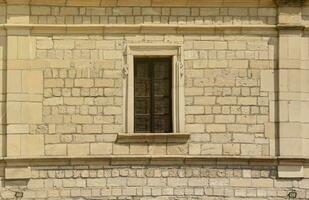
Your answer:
<point x="289" y="3"/>
<point x="290" y="27"/>
<point x="177" y="3"/>
<point x="140" y="28"/>
<point x="291" y="171"/>
<point x="12" y="173"/>
<point x="152" y="137"/>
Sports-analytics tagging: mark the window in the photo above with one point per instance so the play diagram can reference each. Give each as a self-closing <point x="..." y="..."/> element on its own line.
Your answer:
<point x="153" y="88"/>
<point x="152" y="95"/>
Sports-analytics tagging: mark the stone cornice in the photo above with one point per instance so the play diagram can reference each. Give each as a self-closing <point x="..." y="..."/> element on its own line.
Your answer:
<point x="141" y="28"/>
<point x="289" y="3"/>
<point x="152" y="160"/>
<point x="195" y="3"/>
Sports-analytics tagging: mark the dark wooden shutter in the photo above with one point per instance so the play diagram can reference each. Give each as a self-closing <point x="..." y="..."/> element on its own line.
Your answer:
<point x="152" y="95"/>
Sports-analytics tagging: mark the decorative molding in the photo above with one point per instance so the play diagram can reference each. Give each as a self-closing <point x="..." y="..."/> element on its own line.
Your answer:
<point x="151" y="159"/>
<point x="292" y="3"/>
<point x="178" y="3"/>
<point x="175" y="51"/>
<point x="290" y="27"/>
<point x="141" y="28"/>
<point x="125" y="70"/>
<point x="181" y="68"/>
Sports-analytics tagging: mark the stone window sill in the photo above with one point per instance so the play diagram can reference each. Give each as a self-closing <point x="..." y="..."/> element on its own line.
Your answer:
<point x="152" y="137"/>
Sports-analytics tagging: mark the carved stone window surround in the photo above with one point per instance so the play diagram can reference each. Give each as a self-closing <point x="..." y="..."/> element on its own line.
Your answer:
<point x="175" y="51"/>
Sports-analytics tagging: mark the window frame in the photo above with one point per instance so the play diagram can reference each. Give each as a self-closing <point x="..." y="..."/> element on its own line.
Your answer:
<point x="175" y="51"/>
<point x="151" y="61"/>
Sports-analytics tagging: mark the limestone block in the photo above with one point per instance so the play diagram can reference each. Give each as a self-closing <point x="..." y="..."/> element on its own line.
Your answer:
<point x="290" y="171"/>
<point x="289" y="15"/>
<point x="101" y="148"/>
<point x="294" y="80"/>
<point x="247" y="101"/>
<point x="105" y="44"/>
<point x="104" y="82"/>
<point x="55" y="149"/>
<point x="231" y="149"/>
<point x="306" y="143"/>
<point x="195" y="110"/>
<point x="290" y="130"/>
<point x="18" y="19"/>
<point x="237" y="45"/>
<point x="225" y="119"/>
<point x="291" y="147"/>
<point x="17" y="172"/>
<point x="267" y="80"/>
<point x="44" y="44"/>
<point x="270" y="130"/>
<point x="122" y="11"/>
<point x="73" y="100"/>
<point x="12" y="47"/>
<point x="84" y="44"/>
<point x="82" y="119"/>
<point x="13" y="112"/>
<point x="68" y="11"/>
<point x="270" y="12"/>
<point x="40" y="10"/>
<point x="96" y="182"/>
<point x="83" y="83"/>
<point x="121" y="149"/>
<point x="211" y="149"/>
<point x="294" y="111"/>
<point x="177" y="149"/>
<point x="283" y="80"/>
<point x="238" y="64"/>
<point x="78" y="149"/>
<point x="157" y="149"/>
<point x="110" y="55"/>
<point x="251" y="149"/>
<point x="194" y="149"/>
<point x="18" y="128"/>
<point x="226" y="100"/>
<point x="23" y="48"/>
<point x="306" y="174"/>
<point x="138" y="149"/>
<point x="180" y="11"/>
<point x="32" y="82"/>
<point x="18" y="10"/>
<point x="13" y="145"/>
<point x="53" y="83"/>
<point x="203" y="45"/>
<point x="53" y="101"/>
<point x="14" y="81"/>
<point x="209" y="11"/>
<point x="237" y="11"/>
<point x="151" y="11"/>
<point x="305" y="80"/>
<point x="32" y="145"/>
<point x="31" y="112"/>
<point x="64" y="44"/>
<point x="215" y="128"/>
<point x="304" y="112"/>
<point x="282" y="114"/>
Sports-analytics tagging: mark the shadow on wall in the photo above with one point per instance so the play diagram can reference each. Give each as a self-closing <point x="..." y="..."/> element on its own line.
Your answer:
<point x="3" y="78"/>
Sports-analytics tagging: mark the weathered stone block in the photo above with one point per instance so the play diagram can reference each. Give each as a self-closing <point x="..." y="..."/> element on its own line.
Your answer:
<point x="32" y="145"/>
<point x="17" y="173"/>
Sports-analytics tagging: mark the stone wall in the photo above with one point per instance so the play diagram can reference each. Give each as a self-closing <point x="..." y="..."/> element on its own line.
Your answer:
<point x="137" y="182"/>
<point x="156" y="15"/>
<point x="63" y="100"/>
<point x="227" y="107"/>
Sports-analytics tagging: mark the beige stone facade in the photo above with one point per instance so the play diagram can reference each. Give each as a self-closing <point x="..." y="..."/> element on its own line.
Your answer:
<point x="240" y="99"/>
